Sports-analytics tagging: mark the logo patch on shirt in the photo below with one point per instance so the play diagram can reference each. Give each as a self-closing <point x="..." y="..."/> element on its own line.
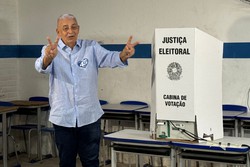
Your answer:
<point x="83" y="63"/>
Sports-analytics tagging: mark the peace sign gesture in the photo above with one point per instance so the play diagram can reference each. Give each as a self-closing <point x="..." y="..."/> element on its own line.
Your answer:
<point x="129" y="50"/>
<point x="50" y="52"/>
<point x="51" y="49"/>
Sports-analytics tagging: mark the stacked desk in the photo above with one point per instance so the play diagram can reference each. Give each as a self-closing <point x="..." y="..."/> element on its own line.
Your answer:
<point x="121" y="112"/>
<point x="4" y="111"/>
<point x="138" y="142"/>
<point x="230" y="150"/>
<point x="244" y="121"/>
<point x="37" y="106"/>
<point x="143" y="115"/>
<point x="232" y="117"/>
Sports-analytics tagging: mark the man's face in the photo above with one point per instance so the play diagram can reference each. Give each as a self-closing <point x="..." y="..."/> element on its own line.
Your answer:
<point x="68" y="30"/>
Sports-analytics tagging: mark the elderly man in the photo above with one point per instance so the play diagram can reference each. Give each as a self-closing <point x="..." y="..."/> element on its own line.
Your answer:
<point x="73" y="65"/>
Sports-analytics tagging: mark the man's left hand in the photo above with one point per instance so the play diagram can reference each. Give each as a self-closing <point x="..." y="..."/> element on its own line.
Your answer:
<point x="129" y="50"/>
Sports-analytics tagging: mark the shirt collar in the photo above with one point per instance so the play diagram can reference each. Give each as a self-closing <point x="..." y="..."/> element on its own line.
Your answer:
<point x="63" y="46"/>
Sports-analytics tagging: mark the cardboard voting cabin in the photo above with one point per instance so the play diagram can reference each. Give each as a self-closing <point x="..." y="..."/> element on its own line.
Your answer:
<point x="186" y="85"/>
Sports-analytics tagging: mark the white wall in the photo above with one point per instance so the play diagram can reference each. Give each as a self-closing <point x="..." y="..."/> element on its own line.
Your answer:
<point x="236" y="81"/>
<point x="8" y="22"/>
<point x="112" y="21"/>
<point x="8" y="36"/>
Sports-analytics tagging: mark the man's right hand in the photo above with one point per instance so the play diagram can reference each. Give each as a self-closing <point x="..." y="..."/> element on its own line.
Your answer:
<point x="50" y="52"/>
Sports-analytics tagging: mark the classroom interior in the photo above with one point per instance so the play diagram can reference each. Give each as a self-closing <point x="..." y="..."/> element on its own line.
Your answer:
<point x="25" y="24"/>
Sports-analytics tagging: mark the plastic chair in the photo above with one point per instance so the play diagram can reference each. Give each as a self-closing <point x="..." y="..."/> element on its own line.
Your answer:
<point x="27" y="126"/>
<point x="132" y="102"/>
<point x="230" y="122"/>
<point x="6" y="104"/>
<point x="40" y="98"/>
<point x="233" y="107"/>
<point x="46" y="128"/>
<point x="103" y="102"/>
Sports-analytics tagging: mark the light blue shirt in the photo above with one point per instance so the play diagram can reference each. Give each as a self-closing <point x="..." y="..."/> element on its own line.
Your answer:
<point x="73" y="81"/>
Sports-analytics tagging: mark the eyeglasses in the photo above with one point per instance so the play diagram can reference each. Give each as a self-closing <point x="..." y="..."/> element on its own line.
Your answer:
<point x="73" y="28"/>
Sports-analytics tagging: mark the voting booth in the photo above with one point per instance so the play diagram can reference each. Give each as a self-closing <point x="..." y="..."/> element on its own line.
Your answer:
<point x="186" y="85"/>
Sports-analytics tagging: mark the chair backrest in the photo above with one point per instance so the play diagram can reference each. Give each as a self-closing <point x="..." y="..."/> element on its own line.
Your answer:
<point x="47" y="109"/>
<point x="234" y="107"/>
<point x="5" y="103"/>
<point x="38" y="98"/>
<point x="134" y="102"/>
<point x="102" y="102"/>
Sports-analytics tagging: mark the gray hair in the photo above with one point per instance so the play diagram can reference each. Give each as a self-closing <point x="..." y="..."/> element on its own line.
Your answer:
<point x="64" y="16"/>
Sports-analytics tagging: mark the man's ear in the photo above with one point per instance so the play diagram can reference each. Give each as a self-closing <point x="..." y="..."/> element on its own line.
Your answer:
<point x="57" y="31"/>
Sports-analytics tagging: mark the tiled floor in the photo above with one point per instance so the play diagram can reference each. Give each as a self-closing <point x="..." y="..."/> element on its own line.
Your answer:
<point x="12" y="162"/>
<point x="49" y="162"/>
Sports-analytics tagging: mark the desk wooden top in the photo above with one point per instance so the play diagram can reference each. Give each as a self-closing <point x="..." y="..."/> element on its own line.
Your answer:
<point x="134" y="136"/>
<point x="232" y="144"/>
<point x="121" y="107"/>
<point x="26" y="103"/>
<point x="244" y="116"/>
<point x="146" y="110"/>
<point x="130" y="136"/>
<point x="231" y="114"/>
<point x="7" y="109"/>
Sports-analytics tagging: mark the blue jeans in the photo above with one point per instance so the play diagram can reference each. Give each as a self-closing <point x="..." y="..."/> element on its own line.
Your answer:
<point x="84" y="141"/>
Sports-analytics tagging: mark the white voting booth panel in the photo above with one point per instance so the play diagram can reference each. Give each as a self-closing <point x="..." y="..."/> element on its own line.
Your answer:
<point x="186" y="84"/>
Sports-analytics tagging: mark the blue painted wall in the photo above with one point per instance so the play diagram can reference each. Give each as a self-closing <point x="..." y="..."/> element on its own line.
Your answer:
<point x="231" y="50"/>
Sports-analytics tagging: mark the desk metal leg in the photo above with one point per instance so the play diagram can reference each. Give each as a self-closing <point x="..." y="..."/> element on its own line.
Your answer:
<point x="236" y="128"/>
<point x="241" y="129"/>
<point x="173" y="158"/>
<point x="248" y="160"/>
<point x="4" y="127"/>
<point x="113" y="157"/>
<point x="39" y="151"/>
<point x="136" y="121"/>
<point x="140" y="122"/>
<point x="181" y="162"/>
